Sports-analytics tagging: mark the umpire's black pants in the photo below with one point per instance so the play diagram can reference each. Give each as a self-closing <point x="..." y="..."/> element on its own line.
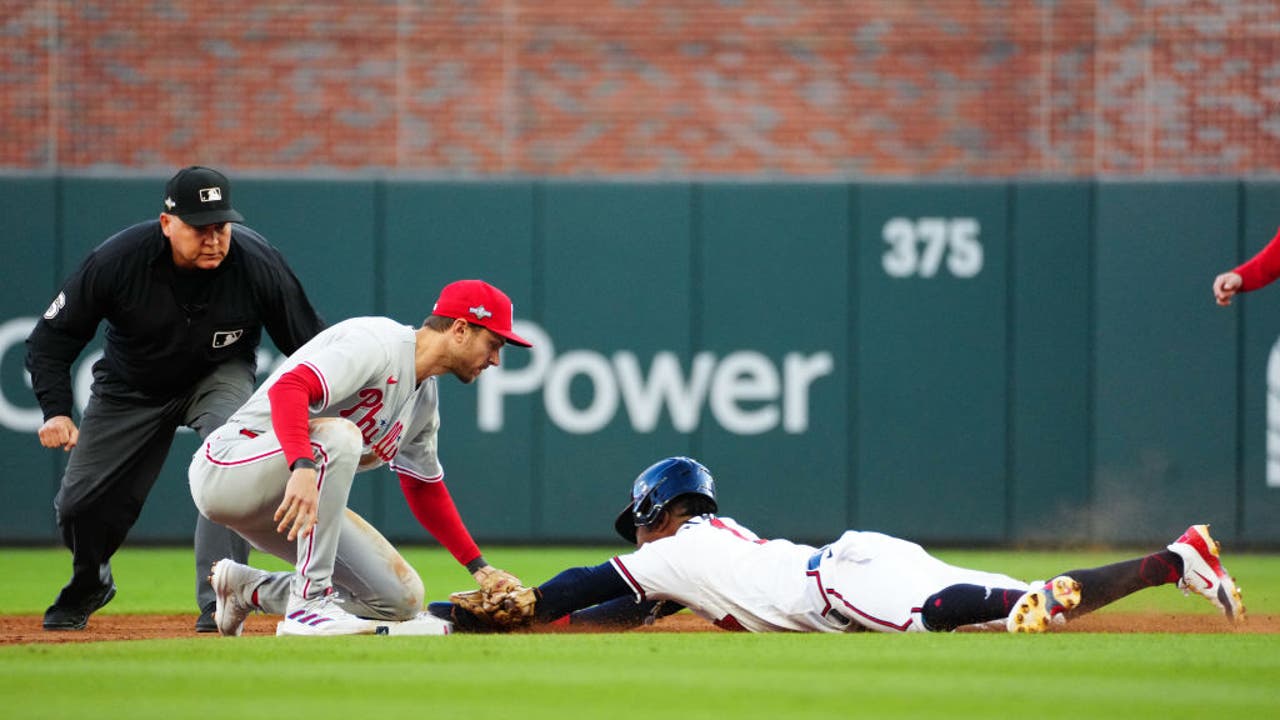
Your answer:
<point x="124" y="440"/>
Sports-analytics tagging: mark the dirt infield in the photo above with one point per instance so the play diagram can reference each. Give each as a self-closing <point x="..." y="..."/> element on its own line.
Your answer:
<point x="26" y="629"/>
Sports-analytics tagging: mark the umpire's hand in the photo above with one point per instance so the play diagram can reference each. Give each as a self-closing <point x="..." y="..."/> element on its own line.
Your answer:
<point x="59" y="431"/>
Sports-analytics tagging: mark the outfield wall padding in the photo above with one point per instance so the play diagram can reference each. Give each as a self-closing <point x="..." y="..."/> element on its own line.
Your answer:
<point x="1002" y="362"/>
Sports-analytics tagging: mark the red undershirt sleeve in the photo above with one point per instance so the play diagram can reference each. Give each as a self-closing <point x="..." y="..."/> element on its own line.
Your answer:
<point x="1262" y="268"/>
<point x="291" y="397"/>
<point x="432" y="505"/>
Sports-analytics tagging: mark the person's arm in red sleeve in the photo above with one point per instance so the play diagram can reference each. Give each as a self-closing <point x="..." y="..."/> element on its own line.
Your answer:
<point x="1259" y="271"/>
<point x="433" y="506"/>
<point x="1262" y="268"/>
<point x="291" y="397"/>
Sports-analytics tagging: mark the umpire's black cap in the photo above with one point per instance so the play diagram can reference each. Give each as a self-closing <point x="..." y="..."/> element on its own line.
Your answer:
<point x="200" y="196"/>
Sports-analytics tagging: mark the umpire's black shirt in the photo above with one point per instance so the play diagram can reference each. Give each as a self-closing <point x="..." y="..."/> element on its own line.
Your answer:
<point x="166" y="327"/>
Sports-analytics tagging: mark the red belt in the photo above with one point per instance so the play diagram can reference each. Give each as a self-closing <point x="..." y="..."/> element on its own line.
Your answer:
<point x="248" y="433"/>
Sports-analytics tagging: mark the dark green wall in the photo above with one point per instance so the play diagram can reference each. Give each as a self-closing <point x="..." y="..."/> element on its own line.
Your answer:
<point x="1051" y="350"/>
<point x="1164" y="358"/>
<point x="1254" y="327"/>
<point x="931" y="390"/>
<point x="965" y="362"/>
<point x="31" y="270"/>
<point x="771" y="288"/>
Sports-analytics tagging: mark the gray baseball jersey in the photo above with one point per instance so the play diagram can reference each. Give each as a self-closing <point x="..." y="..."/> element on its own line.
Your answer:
<point x="366" y="366"/>
<point x="372" y="412"/>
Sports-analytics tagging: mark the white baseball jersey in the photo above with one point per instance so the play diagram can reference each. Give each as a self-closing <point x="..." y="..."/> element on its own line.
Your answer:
<point x="366" y="366"/>
<point x="725" y="573"/>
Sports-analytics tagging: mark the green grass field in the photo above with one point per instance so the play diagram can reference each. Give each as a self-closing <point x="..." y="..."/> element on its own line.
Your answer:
<point x="693" y="675"/>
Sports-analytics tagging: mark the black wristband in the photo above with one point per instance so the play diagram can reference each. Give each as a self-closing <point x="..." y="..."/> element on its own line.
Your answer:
<point x="476" y="564"/>
<point x="303" y="462"/>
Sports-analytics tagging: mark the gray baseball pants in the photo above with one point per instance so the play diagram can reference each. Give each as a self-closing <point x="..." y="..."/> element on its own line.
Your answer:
<point x="124" y="441"/>
<point x="238" y="478"/>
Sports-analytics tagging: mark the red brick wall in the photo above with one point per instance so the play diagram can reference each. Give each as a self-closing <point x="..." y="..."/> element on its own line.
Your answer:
<point x="645" y="88"/>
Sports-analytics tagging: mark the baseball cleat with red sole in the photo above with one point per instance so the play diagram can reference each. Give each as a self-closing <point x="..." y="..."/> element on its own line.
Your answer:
<point x="1202" y="572"/>
<point x="1037" y="608"/>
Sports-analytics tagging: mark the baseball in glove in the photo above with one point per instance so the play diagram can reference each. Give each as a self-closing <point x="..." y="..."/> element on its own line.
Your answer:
<point x="504" y="611"/>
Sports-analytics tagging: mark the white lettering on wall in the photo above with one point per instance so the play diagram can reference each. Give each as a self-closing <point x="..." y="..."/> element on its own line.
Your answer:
<point x="918" y="247"/>
<point x="27" y="418"/>
<point x="745" y="391"/>
<point x="24" y="415"/>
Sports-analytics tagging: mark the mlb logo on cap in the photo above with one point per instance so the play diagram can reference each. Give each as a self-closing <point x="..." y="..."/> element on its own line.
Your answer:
<point x="200" y="196"/>
<point x="479" y="303"/>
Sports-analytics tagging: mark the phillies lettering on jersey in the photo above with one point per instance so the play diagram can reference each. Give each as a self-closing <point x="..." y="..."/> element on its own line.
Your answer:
<point x="365" y="415"/>
<point x="371" y="402"/>
<point x="389" y="445"/>
<point x="396" y="417"/>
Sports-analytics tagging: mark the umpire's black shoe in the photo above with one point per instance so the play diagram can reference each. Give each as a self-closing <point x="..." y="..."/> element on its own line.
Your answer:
<point x="74" y="615"/>
<point x="205" y="623"/>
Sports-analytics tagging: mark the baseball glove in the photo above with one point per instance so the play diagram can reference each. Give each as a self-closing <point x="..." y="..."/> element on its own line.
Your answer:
<point x="504" y="611"/>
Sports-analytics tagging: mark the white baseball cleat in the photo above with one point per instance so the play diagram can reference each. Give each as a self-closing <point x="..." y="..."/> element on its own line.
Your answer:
<point x="322" y="616"/>
<point x="423" y="624"/>
<point x="1203" y="573"/>
<point x="233" y="586"/>
<point x="1037" y="608"/>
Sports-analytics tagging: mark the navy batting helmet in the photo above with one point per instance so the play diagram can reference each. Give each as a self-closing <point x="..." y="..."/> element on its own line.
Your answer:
<point x="658" y="485"/>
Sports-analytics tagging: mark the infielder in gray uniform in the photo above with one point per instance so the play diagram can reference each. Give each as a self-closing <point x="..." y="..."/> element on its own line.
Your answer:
<point x="360" y="394"/>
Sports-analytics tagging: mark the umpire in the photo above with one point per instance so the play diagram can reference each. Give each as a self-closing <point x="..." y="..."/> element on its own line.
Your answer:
<point x="185" y="298"/>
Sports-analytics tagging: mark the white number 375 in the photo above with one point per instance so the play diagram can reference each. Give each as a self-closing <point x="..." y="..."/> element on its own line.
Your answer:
<point x="917" y="247"/>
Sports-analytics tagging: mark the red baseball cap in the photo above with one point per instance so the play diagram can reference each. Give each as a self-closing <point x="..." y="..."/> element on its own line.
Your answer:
<point x="479" y="303"/>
